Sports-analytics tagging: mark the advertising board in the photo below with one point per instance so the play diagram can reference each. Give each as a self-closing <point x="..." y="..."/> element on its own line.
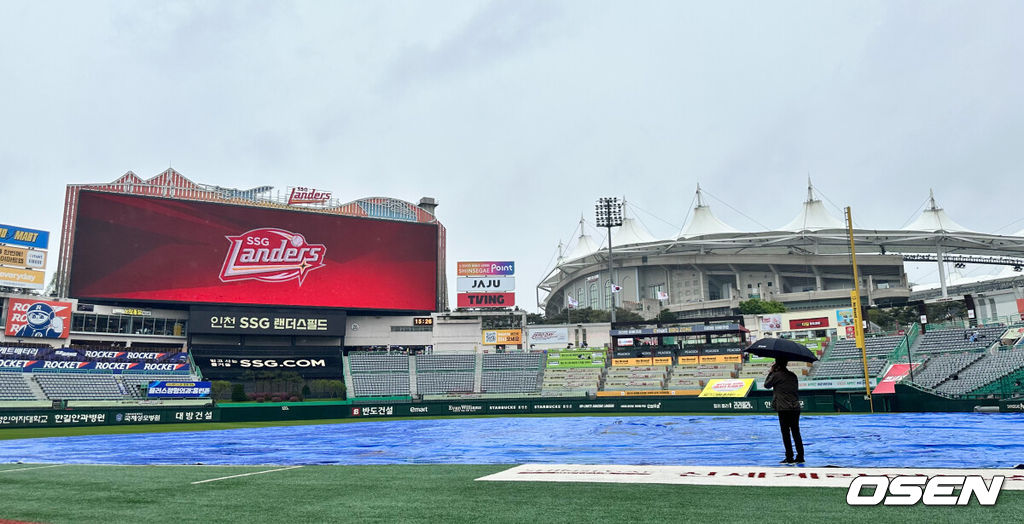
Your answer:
<point x="473" y="269"/>
<point x="23" y="236"/>
<point x="219" y="363"/>
<point x="486" y="284"/>
<point x="729" y="387"/>
<point x="809" y="323"/>
<point x="548" y="336"/>
<point x="492" y="337"/>
<point x="22" y="278"/>
<point x="23" y="258"/>
<point x="262" y="321"/>
<point x="178" y="389"/>
<point x="499" y="300"/>
<point x="31" y="318"/>
<point x="142" y="248"/>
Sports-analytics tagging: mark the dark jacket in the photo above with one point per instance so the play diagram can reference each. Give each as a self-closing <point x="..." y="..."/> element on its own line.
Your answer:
<point x="785" y="385"/>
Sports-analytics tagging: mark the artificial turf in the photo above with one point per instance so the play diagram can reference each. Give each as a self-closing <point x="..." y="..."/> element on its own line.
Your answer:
<point x="423" y="493"/>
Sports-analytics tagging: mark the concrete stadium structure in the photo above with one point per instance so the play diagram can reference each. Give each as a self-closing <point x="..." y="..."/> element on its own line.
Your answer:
<point x="710" y="266"/>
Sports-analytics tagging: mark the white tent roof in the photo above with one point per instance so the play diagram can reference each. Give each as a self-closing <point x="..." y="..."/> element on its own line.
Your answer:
<point x="934" y="219"/>
<point x="631" y="232"/>
<point x="704" y="222"/>
<point x="585" y="245"/>
<point x="813" y="216"/>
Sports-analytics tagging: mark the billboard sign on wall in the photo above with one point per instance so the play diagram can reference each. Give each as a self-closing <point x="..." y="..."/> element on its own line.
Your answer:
<point x="473" y="269"/>
<point x="252" y="321"/>
<point x="486" y="299"/>
<point x="844" y="317"/>
<point x="493" y="337"/>
<point x="22" y="278"/>
<point x="486" y="284"/>
<point x="22" y="257"/>
<point x="771" y="322"/>
<point x="30" y="318"/>
<point x="23" y="236"/>
<point x="548" y="336"/>
<point x="140" y="248"/>
<point x="228" y="363"/>
<point x="809" y="323"/>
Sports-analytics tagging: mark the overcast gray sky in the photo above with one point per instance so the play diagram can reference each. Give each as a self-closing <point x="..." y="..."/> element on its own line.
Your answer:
<point x="516" y="115"/>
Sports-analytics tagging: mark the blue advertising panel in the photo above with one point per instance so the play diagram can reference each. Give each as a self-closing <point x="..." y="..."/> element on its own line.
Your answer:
<point x="178" y="389"/>
<point x="23" y="236"/>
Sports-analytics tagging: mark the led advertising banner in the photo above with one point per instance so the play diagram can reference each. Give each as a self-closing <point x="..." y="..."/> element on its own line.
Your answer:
<point x="32" y="318"/>
<point x="141" y="248"/>
<point x="219" y="363"/>
<point x="23" y="236"/>
<point x="178" y="389"/>
<point x="474" y="269"/>
<point x="252" y="321"/>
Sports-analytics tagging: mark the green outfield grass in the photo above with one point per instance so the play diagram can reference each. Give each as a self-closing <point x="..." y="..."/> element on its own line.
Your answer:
<point x="422" y="493"/>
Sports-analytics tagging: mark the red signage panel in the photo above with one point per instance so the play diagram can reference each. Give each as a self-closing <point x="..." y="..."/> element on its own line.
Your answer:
<point x="809" y="323"/>
<point x="142" y="248"/>
<point x="487" y="299"/>
<point x="894" y="375"/>
<point x="31" y="318"/>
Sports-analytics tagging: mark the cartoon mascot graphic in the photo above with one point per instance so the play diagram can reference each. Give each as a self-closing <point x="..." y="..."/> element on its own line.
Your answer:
<point x="42" y="322"/>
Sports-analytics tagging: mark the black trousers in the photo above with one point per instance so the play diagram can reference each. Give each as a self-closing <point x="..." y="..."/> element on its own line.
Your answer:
<point x="789" y="421"/>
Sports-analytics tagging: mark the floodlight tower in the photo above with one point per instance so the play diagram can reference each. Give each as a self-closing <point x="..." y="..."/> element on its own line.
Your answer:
<point x="608" y="212"/>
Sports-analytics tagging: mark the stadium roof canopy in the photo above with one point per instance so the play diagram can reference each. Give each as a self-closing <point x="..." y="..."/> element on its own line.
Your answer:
<point x="704" y="223"/>
<point x="813" y="232"/>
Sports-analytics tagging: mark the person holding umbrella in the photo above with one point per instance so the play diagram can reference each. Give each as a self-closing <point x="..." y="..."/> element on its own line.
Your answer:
<point x="786" y="402"/>
<point x="785" y="386"/>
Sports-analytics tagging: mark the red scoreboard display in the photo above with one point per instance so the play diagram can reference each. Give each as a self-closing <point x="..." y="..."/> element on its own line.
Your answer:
<point x="167" y="250"/>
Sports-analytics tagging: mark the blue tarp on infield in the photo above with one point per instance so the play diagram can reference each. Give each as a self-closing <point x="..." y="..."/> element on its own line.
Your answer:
<point x="964" y="440"/>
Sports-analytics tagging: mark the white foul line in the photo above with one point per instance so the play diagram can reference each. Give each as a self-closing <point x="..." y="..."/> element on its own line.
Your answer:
<point x="246" y="474"/>
<point x="33" y="467"/>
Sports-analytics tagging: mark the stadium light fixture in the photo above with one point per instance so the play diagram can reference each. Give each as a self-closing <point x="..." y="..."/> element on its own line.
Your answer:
<point x="608" y="212"/>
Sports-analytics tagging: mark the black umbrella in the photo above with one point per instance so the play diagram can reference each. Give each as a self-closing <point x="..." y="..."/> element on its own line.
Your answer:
<point x="781" y="348"/>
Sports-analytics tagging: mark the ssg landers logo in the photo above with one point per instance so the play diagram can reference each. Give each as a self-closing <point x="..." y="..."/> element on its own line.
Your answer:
<point x="271" y="255"/>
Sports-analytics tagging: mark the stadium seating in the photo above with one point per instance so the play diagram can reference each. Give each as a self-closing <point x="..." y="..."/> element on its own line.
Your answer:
<point x="380" y="384"/>
<point x="443" y="374"/>
<point x="370" y="363"/>
<point x="509" y="382"/>
<point x="445" y="362"/>
<point x="80" y="386"/>
<point x="954" y="340"/>
<point x="873" y="346"/>
<point x="379" y="375"/>
<point x="512" y="361"/>
<point x="511" y="373"/>
<point x="990" y="367"/>
<point x="939" y="368"/>
<point x="850" y="368"/>
<point x="439" y="383"/>
<point x="14" y="386"/>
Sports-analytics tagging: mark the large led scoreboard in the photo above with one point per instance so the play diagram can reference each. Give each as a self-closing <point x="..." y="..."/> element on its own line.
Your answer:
<point x="143" y="248"/>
